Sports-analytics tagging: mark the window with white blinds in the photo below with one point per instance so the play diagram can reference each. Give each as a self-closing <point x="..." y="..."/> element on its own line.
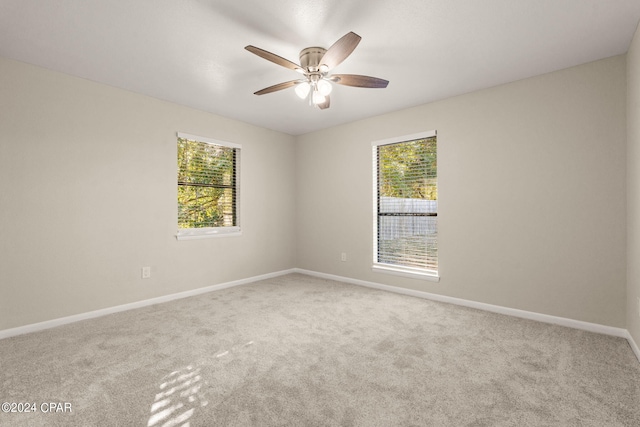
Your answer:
<point x="208" y="172"/>
<point x="406" y="205"/>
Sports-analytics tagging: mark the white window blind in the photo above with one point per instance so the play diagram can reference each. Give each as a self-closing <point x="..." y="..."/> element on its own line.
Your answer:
<point x="406" y="204"/>
<point x="207" y="186"/>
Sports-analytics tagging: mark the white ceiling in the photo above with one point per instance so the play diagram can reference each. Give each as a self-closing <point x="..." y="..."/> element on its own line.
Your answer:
<point x="191" y="52"/>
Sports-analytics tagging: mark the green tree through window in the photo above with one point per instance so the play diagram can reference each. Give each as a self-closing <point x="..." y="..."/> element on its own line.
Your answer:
<point x="207" y="190"/>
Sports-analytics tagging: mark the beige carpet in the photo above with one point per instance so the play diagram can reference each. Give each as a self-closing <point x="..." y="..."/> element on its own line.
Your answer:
<point x="303" y="351"/>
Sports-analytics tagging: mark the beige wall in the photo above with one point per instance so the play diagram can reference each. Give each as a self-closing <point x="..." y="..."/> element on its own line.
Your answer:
<point x="88" y="197"/>
<point x="633" y="188"/>
<point x="532" y="194"/>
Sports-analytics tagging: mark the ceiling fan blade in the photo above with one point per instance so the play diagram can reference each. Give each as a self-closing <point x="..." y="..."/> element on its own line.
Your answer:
<point x="277" y="87"/>
<point x="325" y="104"/>
<point x="274" y="58"/>
<point x="359" y="81"/>
<point x="339" y="51"/>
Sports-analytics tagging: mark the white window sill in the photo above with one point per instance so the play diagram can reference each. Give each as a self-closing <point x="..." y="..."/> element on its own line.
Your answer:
<point x="208" y="233"/>
<point x="431" y="276"/>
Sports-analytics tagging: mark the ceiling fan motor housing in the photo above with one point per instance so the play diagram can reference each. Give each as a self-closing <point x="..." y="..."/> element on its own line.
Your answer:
<point x="310" y="58"/>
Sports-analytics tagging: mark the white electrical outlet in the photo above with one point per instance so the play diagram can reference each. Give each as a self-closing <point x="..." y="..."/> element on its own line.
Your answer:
<point x="343" y="256"/>
<point x="146" y="272"/>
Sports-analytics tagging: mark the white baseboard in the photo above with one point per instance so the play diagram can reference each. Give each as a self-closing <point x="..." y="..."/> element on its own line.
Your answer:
<point x="562" y="321"/>
<point x="6" y="333"/>
<point x="633" y="345"/>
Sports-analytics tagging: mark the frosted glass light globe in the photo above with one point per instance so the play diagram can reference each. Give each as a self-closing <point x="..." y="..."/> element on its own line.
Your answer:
<point x="302" y="90"/>
<point x="324" y="87"/>
<point x="318" y="98"/>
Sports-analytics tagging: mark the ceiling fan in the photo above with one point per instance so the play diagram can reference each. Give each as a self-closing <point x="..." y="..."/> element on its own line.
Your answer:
<point x="315" y="64"/>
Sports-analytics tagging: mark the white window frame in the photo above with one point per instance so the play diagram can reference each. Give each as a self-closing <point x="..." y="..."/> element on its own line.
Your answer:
<point x="211" y="232"/>
<point x="415" y="273"/>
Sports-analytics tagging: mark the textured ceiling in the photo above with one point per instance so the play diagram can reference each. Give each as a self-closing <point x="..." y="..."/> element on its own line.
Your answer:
<point x="191" y="52"/>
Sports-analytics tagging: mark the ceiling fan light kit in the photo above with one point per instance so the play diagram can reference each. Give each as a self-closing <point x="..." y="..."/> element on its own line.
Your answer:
<point x="315" y="64"/>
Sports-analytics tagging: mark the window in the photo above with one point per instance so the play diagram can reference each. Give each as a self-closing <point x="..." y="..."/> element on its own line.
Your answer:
<point x="406" y="205"/>
<point x="208" y="172"/>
